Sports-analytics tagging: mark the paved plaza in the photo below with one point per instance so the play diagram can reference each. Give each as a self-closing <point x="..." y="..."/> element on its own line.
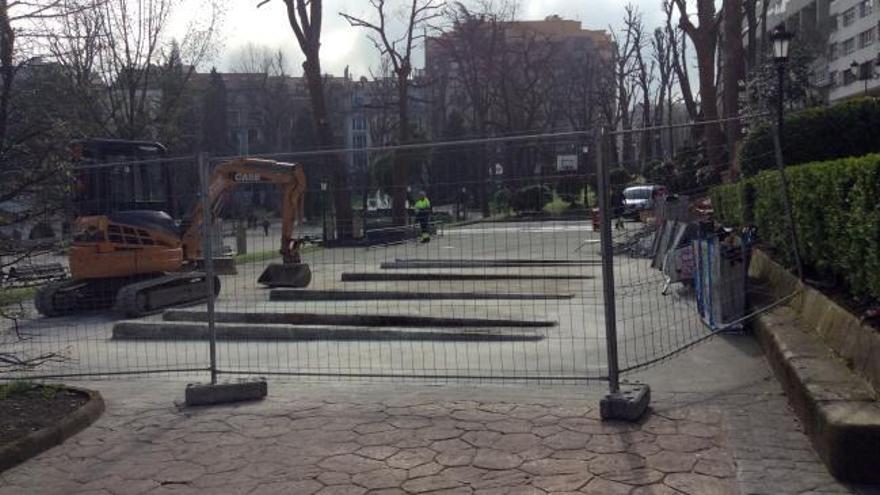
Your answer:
<point x="727" y="434"/>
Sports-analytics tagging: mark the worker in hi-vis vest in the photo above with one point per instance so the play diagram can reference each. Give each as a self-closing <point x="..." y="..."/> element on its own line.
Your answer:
<point x="422" y="207"/>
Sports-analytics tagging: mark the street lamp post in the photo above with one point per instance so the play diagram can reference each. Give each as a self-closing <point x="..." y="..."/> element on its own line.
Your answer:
<point x="324" y="210"/>
<point x="865" y="75"/>
<point x="781" y="41"/>
<point x="857" y="73"/>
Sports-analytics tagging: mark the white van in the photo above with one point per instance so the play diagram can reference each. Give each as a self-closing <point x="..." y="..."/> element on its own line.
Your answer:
<point x="639" y="198"/>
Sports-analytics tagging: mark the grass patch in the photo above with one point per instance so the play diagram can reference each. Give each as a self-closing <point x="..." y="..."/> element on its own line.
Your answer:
<point x="15" y="295"/>
<point x="15" y="387"/>
<point x="557" y="206"/>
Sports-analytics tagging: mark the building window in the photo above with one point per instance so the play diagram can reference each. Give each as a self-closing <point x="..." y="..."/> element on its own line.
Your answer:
<point x="848" y="77"/>
<point x="866" y="38"/>
<point x="866" y="7"/>
<point x="360" y="141"/>
<point x="832" y="79"/>
<point x="359" y="123"/>
<point x="849" y="16"/>
<point x="849" y="46"/>
<point x="833" y="51"/>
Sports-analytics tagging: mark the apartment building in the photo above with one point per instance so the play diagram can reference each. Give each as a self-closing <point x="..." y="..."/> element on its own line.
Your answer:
<point x="853" y="49"/>
<point x="844" y="36"/>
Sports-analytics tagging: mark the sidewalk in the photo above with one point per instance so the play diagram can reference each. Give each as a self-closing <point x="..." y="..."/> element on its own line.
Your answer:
<point x="714" y="430"/>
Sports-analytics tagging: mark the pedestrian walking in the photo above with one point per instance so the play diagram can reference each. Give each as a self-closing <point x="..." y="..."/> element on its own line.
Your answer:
<point x="422" y="207"/>
<point x="266" y="227"/>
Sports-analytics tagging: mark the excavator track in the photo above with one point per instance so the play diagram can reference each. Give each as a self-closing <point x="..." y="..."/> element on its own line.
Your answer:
<point x="154" y="295"/>
<point x="71" y="296"/>
<point x="45" y="299"/>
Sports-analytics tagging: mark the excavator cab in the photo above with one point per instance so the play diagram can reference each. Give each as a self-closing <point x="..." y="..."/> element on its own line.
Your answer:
<point x="114" y="175"/>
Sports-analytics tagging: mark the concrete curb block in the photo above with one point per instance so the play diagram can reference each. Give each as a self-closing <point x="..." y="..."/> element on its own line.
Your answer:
<point x="408" y="265"/>
<point x="354" y="320"/>
<point x="206" y="394"/>
<point x="428" y="277"/>
<point x="837" y="409"/>
<point x="135" y="330"/>
<point x="342" y="295"/>
<point x="502" y="261"/>
<point x="839" y="329"/>
<point x="41" y="440"/>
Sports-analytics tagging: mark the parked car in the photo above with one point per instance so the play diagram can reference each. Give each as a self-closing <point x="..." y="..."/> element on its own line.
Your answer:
<point x="640" y="198"/>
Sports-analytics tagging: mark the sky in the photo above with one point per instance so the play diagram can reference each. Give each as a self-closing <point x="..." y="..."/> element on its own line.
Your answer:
<point x="344" y="46"/>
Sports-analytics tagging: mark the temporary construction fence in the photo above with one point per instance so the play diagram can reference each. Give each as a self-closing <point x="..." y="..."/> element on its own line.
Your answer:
<point x="510" y="286"/>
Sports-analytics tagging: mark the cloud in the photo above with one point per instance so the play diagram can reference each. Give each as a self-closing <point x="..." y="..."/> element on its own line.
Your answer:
<point x="344" y="46"/>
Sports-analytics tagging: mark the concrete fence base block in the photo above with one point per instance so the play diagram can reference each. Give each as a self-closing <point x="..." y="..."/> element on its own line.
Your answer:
<point x="629" y="404"/>
<point x="198" y="394"/>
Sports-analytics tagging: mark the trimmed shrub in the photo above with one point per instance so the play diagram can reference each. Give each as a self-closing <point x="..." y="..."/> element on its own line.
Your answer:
<point x="501" y="200"/>
<point x="836" y="208"/>
<point x="570" y="190"/>
<point x="688" y="172"/>
<point x="531" y="198"/>
<point x="851" y="128"/>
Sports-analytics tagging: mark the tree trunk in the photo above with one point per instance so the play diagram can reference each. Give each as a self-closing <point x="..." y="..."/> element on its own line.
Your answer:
<point x="7" y="71"/>
<point x="400" y="168"/>
<point x="683" y="75"/>
<point x="734" y="72"/>
<point x="762" y="48"/>
<point x="751" y="13"/>
<point x="705" y="39"/>
<point x="342" y="195"/>
<point x="709" y="102"/>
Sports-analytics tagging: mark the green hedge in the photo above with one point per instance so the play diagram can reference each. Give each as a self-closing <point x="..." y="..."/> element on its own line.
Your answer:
<point x="836" y="207"/>
<point x="531" y="198"/>
<point x="851" y="128"/>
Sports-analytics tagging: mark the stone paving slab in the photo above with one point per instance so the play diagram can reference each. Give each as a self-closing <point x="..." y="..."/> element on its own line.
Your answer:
<point x="719" y="423"/>
<point x="308" y="440"/>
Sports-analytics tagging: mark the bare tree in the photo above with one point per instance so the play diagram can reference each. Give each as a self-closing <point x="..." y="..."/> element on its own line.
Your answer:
<point x="626" y="81"/>
<point x="680" y="62"/>
<point x="251" y="58"/>
<point x="704" y="36"/>
<point x="733" y="73"/>
<point x="115" y="55"/>
<point x="643" y="75"/>
<point x="474" y="43"/>
<point x="33" y="178"/>
<point x="305" y="18"/>
<point x="399" y="51"/>
<point x="662" y="53"/>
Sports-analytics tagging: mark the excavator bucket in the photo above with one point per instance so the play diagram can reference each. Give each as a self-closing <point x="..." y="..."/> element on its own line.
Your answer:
<point x="296" y="275"/>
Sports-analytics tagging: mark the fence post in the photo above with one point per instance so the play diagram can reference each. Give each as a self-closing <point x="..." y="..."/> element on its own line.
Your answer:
<point x="606" y="250"/>
<point x="630" y="403"/>
<point x="214" y="393"/>
<point x="786" y="200"/>
<point x="208" y="259"/>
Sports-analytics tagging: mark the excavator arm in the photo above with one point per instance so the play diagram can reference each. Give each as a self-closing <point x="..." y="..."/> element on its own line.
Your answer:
<point x="289" y="177"/>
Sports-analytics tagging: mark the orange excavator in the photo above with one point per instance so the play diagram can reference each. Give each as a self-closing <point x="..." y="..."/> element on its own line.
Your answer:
<point x="140" y="261"/>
